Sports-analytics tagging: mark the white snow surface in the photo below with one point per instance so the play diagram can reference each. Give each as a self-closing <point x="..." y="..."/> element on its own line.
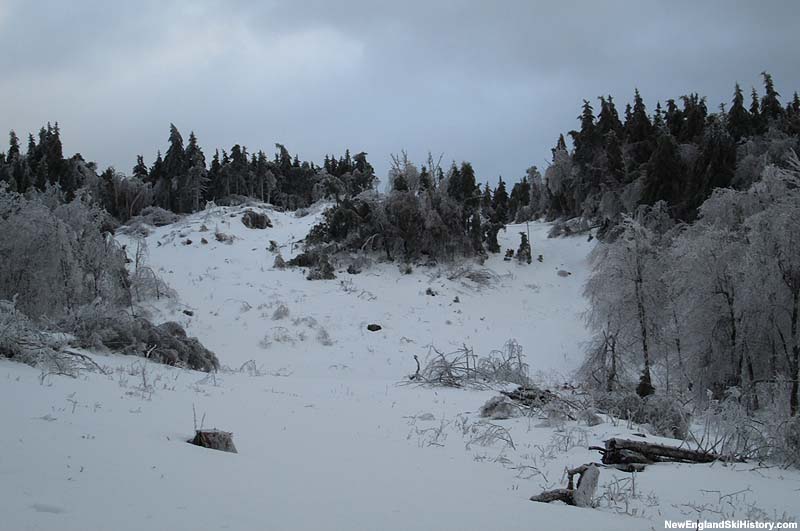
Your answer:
<point x="327" y="436"/>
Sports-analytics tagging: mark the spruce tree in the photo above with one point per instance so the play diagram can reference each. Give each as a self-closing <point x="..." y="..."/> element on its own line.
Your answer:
<point x="770" y="105"/>
<point x="608" y="119"/>
<point x="738" y="118"/>
<point x="140" y="169"/>
<point x="491" y="230"/>
<point x="425" y="183"/>
<point x="524" y="250"/>
<point x="486" y="200"/>
<point x="194" y="182"/>
<point x="757" y="123"/>
<point x="695" y="111"/>
<point x="400" y="184"/>
<point x="639" y="128"/>
<point x="13" y="146"/>
<point x="500" y="202"/>
<point x="585" y="140"/>
<point x="561" y="145"/>
<point x="658" y="120"/>
<point x="615" y="163"/>
<point x="476" y="233"/>
<point x="664" y="178"/>
<point x="674" y="119"/>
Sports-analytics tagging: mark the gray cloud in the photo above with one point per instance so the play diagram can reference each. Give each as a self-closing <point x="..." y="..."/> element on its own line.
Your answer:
<point x="490" y="82"/>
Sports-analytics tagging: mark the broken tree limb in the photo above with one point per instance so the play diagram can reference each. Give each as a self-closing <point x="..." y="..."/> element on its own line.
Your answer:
<point x="580" y="496"/>
<point x="623" y="452"/>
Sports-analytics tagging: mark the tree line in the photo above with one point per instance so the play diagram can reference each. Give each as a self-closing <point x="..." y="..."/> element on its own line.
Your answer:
<point x="182" y="181"/>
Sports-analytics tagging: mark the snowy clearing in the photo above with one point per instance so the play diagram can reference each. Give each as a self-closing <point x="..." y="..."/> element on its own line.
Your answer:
<point x="327" y="438"/>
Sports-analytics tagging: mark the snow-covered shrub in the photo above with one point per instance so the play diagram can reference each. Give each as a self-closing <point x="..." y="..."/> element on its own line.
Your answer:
<point x="256" y="220"/>
<point x="281" y="312"/>
<point x="665" y="416"/>
<point x="118" y="331"/>
<point x="56" y="260"/>
<point x="324" y="337"/>
<point x="323" y="270"/>
<point x="24" y="341"/>
<point x="621" y="404"/>
<point x="223" y="237"/>
<point x="726" y="428"/>
<point x="145" y="284"/>
<point x="20" y="339"/>
<point x="589" y="417"/>
<point x="563" y="228"/>
<point x="463" y="368"/>
<point x="305" y="259"/>
<point x="505" y="365"/>
<point x="791" y="441"/>
<point x="499" y="408"/>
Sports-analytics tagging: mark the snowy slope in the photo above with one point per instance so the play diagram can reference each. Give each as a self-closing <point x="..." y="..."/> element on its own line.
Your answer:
<point x="234" y="291"/>
<point x="327" y="438"/>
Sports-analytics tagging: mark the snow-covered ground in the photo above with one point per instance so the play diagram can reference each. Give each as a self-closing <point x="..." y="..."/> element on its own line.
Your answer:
<point x="327" y="439"/>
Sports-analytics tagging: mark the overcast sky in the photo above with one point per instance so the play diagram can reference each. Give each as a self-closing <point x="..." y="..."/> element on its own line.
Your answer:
<point x="493" y="82"/>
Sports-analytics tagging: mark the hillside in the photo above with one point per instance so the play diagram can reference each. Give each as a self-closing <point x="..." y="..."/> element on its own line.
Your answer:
<point x="328" y="438"/>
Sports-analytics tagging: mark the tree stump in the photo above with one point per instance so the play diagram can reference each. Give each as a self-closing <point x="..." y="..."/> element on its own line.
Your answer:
<point x="215" y="440"/>
<point x="587" y="484"/>
<point x="580" y="496"/>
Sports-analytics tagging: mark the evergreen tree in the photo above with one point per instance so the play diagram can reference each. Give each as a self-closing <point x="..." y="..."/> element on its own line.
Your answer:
<point x="695" y="111"/>
<point x="615" y="163"/>
<point x="500" y="202"/>
<point x="174" y="167"/>
<point x="793" y="116"/>
<point x="638" y="128"/>
<point x="42" y="172"/>
<point x="770" y="105"/>
<point x="13" y="146"/>
<point x="140" y="169"/>
<point x="193" y="183"/>
<point x="717" y="163"/>
<point x="400" y="183"/>
<point x="674" y="119"/>
<point x="608" y="119"/>
<point x="476" y="233"/>
<point x="659" y="125"/>
<point x="585" y="140"/>
<point x="174" y="160"/>
<point x="738" y="117"/>
<point x="486" y="200"/>
<point x="491" y="230"/>
<point x="757" y="122"/>
<point x="561" y="145"/>
<point x="664" y="178"/>
<point x="520" y="197"/>
<point x="524" y="250"/>
<point x="424" y="180"/>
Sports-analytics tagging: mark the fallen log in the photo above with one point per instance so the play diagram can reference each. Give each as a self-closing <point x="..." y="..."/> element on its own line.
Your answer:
<point x="624" y="452"/>
<point x="580" y="496"/>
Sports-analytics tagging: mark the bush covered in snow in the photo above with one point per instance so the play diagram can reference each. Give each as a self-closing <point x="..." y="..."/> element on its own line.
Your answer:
<point x="664" y="415"/>
<point x="121" y="332"/>
<point x="65" y="274"/>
